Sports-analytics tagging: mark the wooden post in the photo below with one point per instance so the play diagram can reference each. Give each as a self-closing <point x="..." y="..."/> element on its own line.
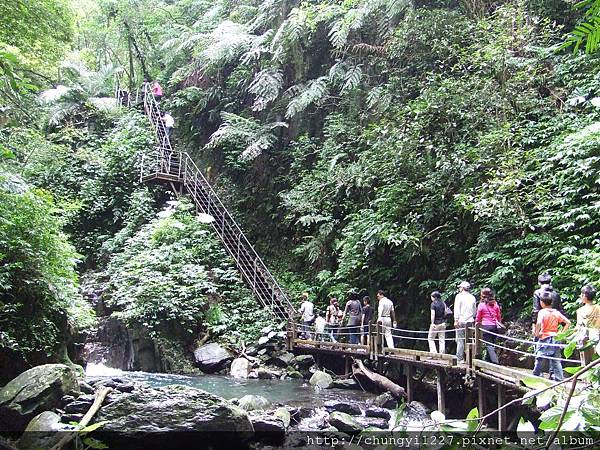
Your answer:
<point x="502" y="416"/>
<point x="481" y="396"/>
<point x="478" y="347"/>
<point x="441" y="387"/>
<point x="347" y="368"/>
<point x="376" y="342"/>
<point x="468" y="347"/>
<point x="410" y="382"/>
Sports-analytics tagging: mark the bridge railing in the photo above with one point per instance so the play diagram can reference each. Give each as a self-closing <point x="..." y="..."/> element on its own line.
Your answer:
<point x="476" y="338"/>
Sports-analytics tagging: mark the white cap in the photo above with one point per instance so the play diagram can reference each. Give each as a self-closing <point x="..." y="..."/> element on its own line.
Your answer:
<point x="465" y="285"/>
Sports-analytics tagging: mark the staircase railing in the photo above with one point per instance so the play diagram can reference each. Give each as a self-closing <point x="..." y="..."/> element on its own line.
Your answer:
<point x="167" y="164"/>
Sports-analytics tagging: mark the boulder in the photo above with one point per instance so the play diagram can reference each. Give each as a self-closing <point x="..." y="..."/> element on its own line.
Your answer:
<point x="41" y="432"/>
<point x="344" y="422"/>
<point x="284" y="415"/>
<point x="266" y="330"/>
<point x="282" y="360"/>
<point x="264" y="423"/>
<point x="347" y="383"/>
<point x="341" y="406"/>
<point x="85" y="388"/>
<point x="34" y="391"/>
<point x="263" y="340"/>
<point x="172" y="417"/>
<point x="386" y="400"/>
<point x="240" y="368"/>
<point x="321" y="379"/>
<point x="303" y="361"/>
<point x="211" y="357"/>
<point x="68" y="418"/>
<point x="294" y="374"/>
<point x="373" y="422"/>
<point x="77" y="407"/>
<point x="375" y="411"/>
<point x="264" y="374"/>
<point x="253" y="403"/>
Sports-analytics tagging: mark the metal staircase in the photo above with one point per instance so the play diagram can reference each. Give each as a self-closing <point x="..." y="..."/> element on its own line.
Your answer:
<point x="164" y="164"/>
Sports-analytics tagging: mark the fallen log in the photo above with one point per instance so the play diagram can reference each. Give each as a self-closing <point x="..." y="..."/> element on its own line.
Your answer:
<point x="100" y="396"/>
<point x="360" y="372"/>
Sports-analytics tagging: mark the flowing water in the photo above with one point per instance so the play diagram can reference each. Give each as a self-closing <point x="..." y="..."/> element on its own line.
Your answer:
<point x="288" y="392"/>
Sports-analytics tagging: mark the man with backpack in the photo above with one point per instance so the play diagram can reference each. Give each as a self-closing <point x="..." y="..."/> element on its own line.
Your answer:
<point x="306" y="311"/>
<point x="545" y="281"/>
<point x="354" y="311"/>
<point x="438" y="323"/>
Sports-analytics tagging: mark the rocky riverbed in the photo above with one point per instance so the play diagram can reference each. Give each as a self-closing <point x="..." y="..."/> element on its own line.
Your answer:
<point x="265" y="396"/>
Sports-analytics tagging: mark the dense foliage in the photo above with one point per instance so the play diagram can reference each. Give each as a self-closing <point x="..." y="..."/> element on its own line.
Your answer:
<point x="173" y="278"/>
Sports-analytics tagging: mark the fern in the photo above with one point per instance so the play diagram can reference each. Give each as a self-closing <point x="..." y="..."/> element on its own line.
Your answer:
<point x="289" y="34"/>
<point x="352" y="79"/>
<point x="226" y="43"/>
<point x="588" y="31"/>
<point x="236" y="130"/>
<point x="265" y="86"/>
<point x="313" y="93"/>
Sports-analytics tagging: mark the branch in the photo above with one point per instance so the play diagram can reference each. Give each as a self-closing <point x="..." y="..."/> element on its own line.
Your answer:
<point x="100" y="396"/>
<point x="564" y="412"/>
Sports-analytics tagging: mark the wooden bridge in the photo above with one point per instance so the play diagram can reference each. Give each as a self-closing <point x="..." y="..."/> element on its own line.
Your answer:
<point x="165" y="165"/>
<point x="504" y="381"/>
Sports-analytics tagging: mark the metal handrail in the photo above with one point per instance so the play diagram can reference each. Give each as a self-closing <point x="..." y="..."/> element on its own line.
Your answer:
<point x="191" y="177"/>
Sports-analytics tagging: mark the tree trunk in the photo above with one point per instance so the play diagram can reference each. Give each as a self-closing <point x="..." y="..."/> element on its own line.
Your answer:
<point x="361" y="373"/>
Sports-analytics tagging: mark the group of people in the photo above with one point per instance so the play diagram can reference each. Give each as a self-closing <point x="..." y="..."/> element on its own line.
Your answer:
<point x="548" y="315"/>
<point x="359" y="315"/>
<point x="157" y="92"/>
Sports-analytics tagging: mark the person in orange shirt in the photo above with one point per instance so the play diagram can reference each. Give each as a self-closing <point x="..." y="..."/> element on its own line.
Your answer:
<point x="546" y="327"/>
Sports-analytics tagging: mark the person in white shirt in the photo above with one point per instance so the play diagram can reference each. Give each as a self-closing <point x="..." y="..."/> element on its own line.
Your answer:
<point x="386" y="317"/>
<point x="320" y="327"/>
<point x="169" y="123"/>
<point x="307" y="313"/>
<point x="465" y="308"/>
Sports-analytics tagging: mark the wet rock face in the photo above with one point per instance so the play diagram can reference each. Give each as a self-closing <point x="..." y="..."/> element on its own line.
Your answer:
<point x="345" y="407"/>
<point x="344" y="422"/>
<point x="386" y="400"/>
<point x="212" y="357"/>
<point x="34" y="391"/>
<point x="253" y="403"/>
<point x="375" y="411"/>
<point x="321" y="379"/>
<point x="172" y="417"/>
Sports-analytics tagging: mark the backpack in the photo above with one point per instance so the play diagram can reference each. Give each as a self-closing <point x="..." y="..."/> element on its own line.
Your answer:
<point x="447" y="311"/>
<point x="593" y="317"/>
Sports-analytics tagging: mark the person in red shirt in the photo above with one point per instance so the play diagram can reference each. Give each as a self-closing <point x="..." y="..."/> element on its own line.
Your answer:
<point x="490" y="318"/>
<point x="546" y="327"/>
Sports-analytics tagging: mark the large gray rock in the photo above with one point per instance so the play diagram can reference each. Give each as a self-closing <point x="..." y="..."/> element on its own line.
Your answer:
<point x="376" y="411"/>
<point x="271" y="424"/>
<point x="341" y="406"/>
<point x="347" y="383"/>
<point x="303" y="361"/>
<point x="211" y="357"/>
<point x="282" y="360"/>
<point x="321" y="379"/>
<point x="34" y="391"/>
<point x="240" y="368"/>
<point x="344" y="422"/>
<point x="373" y="422"/>
<point x="284" y="415"/>
<point x="253" y="403"/>
<point x="172" y="417"/>
<point x="386" y="400"/>
<point x="41" y="432"/>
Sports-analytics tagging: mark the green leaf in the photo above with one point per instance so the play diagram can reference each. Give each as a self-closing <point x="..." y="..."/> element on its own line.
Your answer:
<point x="94" y="443"/>
<point x="536" y="382"/>
<point x="93" y="427"/>
<point x="569" y="349"/>
<point x="472" y="424"/>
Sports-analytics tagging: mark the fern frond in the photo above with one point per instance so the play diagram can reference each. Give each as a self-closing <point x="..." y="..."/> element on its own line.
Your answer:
<point x="352" y="79"/>
<point x="265" y="86"/>
<point x="314" y="92"/>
